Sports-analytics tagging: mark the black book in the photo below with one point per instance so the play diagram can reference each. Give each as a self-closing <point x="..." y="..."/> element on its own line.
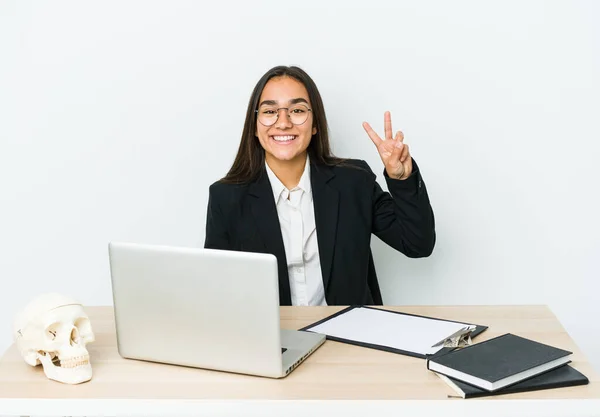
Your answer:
<point x="499" y="362"/>
<point x="564" y="376"/>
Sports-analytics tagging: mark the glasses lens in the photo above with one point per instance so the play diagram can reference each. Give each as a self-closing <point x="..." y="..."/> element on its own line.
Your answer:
<point x="267" y="115"/>
<point x="298" y="114"/>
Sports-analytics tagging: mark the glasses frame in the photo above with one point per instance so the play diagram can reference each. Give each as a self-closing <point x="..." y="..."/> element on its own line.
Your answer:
<point x="287" y="112"/>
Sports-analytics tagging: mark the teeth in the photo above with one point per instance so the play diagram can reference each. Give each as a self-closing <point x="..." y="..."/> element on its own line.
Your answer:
<point x="75" y="361"/>
<point x="284" y="138"/>
<point x="74" y="364"/>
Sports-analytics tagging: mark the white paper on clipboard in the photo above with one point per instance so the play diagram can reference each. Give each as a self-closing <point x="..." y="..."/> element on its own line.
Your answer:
<point x="387" y="328"/>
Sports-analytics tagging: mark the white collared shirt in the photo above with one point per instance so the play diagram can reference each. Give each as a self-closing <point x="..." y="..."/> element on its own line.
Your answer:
<point x="297" y="219"/>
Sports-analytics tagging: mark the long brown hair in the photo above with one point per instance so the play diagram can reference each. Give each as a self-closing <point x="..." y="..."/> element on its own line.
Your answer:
<point x="250" y="159"/>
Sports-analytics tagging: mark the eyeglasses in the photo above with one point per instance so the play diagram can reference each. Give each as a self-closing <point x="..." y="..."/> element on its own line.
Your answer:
<point x="297" y="113"/>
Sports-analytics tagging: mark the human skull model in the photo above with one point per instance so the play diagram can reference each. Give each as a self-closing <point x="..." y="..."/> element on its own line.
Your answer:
<point x="54" y="330"/>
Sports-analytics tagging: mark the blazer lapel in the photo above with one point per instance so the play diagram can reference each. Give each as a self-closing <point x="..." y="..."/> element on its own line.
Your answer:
<point x="265" y="214"/>
<point x="325" y="201"/>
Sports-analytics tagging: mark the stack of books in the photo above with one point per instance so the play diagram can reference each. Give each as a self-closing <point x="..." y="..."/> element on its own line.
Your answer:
<point x="505" y="364"/>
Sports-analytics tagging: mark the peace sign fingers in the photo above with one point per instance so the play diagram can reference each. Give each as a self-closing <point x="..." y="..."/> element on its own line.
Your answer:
<point x="393" y="151"/>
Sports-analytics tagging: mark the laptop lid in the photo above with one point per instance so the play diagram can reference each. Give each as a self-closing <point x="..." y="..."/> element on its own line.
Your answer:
<point x="197" y="307"/>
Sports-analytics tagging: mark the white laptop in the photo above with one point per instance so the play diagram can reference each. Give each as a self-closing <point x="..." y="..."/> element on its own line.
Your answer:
<point x="203" y="308"/>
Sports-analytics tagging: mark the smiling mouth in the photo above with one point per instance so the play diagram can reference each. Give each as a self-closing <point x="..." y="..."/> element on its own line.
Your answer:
<point x="283" y="139"/>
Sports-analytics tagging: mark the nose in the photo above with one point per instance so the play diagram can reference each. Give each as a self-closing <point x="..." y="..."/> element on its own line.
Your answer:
<point x="283" y="120"/>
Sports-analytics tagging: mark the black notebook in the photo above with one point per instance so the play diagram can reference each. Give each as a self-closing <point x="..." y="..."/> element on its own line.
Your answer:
<point x="499" y="362"/>
<point x="564" y="376"/>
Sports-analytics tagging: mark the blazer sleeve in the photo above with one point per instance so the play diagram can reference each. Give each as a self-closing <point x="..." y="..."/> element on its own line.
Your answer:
<point x="217" y="235"/>
<point x="403" y="217"/>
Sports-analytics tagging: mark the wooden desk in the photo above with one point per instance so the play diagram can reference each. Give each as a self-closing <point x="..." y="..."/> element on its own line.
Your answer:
<point x="337" y="378"/>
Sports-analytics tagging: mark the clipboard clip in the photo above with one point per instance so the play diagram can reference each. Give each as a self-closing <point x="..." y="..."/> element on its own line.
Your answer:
<point x="459" y="338"/>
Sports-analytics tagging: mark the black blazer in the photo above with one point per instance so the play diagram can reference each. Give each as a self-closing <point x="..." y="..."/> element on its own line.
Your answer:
<point x="349" y="206"/>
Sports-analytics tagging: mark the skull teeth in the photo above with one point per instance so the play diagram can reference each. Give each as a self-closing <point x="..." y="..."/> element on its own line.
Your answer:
<point x="71" y="364"/>
<point x="74" y="362"/>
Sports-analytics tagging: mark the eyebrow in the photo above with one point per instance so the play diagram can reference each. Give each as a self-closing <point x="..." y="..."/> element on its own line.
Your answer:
<point x="292" y="101"/>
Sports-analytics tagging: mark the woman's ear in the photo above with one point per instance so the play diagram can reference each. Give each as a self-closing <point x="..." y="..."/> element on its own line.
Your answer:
<point x="314" y="130"/>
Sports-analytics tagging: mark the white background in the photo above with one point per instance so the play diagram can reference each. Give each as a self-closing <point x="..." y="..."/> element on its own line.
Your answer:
<point x="116" y="116"/>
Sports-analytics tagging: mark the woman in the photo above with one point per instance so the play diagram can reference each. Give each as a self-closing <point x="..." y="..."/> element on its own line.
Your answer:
<point x="287" y="195"/>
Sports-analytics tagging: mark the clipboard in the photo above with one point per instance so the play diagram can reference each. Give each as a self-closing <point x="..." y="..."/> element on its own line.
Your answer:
<point x="382" y="313"/>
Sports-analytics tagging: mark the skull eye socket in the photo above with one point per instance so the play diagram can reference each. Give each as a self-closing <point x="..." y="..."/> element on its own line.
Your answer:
<point x="52" y="331"/>
<point x="74" y="336"/>
<point x="84" y="329"/>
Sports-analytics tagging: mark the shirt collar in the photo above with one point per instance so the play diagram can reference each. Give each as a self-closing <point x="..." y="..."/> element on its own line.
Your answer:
<point x="278" y="186"/>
